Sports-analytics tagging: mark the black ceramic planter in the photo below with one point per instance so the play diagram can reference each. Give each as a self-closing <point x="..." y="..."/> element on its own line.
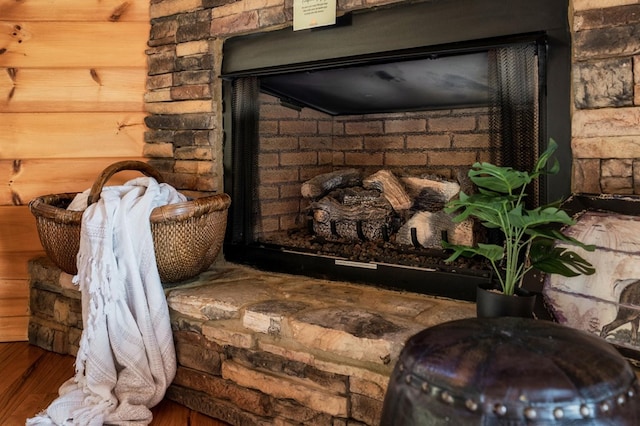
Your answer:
<point x="491" y="304"/>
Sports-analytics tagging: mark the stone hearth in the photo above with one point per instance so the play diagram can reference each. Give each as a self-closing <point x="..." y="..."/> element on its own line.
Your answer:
<point x="263" y="348"/>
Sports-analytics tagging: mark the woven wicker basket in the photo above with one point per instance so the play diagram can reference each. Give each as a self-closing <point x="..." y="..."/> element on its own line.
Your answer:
<point x="187" y="236"/>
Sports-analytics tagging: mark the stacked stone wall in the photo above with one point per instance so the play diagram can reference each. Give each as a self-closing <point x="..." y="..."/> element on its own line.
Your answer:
<point x="55" y="321"/>
<point x="606" y="82"/>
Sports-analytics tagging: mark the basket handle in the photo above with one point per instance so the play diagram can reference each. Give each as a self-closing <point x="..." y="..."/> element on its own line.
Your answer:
<point x="147" y="170"/>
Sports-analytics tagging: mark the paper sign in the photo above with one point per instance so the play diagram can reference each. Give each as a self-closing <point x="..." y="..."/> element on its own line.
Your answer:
<point x="313" y="13"/>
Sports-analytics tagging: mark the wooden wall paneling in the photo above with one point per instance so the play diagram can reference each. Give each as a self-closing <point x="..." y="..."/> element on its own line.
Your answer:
<point x="72" y="89"/>
<point x="10" y="289"/>
<point x="27" y="179"/>
<point x="13" y="329"/>
<point x="73" y="44"/>
<point x="72" y="84"/>
<point x="6" y="87"/>
<point x="18" y="230"/>
<point x="15" y="306"/>
<point x="18" y="304"/>
<point x="74" y="10"/>
<point x="71" y="135"/>
<point x="14" y="265"/>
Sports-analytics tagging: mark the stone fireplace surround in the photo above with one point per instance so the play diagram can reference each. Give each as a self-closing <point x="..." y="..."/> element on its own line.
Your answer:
<point x="185" y="91"/>
<point x="238" y="361"/>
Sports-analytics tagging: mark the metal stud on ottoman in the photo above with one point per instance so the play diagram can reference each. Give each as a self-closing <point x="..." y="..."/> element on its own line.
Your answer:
<point x="510" y="371"/>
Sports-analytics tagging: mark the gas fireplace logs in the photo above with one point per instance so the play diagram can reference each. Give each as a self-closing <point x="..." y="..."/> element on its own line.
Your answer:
<point x="383" y="207"/>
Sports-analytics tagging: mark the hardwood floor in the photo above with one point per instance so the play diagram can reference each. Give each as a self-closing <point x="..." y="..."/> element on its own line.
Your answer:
<point x="29" y="381"/>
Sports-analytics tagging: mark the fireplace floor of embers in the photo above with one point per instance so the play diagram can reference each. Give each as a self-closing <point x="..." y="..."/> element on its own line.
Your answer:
<point x="377" y="251"/>
<point x="263" y="348"/>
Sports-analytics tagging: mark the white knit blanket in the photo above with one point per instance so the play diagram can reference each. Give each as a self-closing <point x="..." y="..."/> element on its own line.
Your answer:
<point x="126" y="358"/>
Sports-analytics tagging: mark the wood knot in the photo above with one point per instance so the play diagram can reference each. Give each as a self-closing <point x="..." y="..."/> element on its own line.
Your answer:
<point x="95" y="76"/>
<point x="119" y="11"/>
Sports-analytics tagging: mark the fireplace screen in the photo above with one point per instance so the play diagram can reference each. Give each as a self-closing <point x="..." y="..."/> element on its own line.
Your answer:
<point x="342" y="170"/>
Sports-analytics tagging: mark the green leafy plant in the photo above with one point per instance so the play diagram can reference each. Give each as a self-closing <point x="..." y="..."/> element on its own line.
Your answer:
<point x="529" y="234"/>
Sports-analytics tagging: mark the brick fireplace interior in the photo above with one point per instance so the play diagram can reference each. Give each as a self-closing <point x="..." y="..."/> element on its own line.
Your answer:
<point x="417" y="100"/>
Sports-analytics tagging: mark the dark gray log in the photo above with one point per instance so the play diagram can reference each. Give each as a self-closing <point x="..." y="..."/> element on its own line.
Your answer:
<point x="322" y="184"/>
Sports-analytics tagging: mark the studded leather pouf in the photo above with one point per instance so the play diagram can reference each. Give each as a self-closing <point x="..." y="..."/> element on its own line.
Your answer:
<point x="510" y="371"/>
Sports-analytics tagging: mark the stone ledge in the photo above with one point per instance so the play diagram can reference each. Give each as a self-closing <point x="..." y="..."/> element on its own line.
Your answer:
<point x="269" y="348"/>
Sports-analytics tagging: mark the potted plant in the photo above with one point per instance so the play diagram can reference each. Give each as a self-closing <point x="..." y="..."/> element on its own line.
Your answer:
<point x="529" y="234"/>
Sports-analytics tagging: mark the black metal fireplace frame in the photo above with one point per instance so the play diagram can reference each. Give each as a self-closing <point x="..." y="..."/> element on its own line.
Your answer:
<point x="398" y="31"/>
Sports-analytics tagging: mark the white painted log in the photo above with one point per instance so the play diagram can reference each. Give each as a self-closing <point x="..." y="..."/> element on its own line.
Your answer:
<point x="429" y="227"/>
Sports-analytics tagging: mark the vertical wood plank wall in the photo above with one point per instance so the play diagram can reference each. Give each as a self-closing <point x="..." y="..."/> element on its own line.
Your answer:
<point x="72" y="81"/>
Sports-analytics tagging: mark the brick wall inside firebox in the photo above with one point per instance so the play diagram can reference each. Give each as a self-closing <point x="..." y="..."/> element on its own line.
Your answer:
<point x="296" y="146"/>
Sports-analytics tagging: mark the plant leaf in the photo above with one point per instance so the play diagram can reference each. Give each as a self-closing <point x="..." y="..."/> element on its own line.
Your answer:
<point x="558" y="260"/>
<point x="498" y="179"/>
<point x="551" y="234"/>
<point x="544" y="158"/>
<point x="539" y="216"/>
<point x="489" y="209"/>
<point x="490" y="251"/>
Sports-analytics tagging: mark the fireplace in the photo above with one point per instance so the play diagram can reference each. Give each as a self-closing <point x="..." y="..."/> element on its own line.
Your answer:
<point x="413" y="90"/>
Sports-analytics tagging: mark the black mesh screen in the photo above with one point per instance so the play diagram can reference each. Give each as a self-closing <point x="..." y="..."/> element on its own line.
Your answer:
<point x="245" y="155"/>
<point x="514" y="111"/>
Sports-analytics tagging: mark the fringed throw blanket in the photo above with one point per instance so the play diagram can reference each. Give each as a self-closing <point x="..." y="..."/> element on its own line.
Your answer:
<point x="126" y="358"/>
